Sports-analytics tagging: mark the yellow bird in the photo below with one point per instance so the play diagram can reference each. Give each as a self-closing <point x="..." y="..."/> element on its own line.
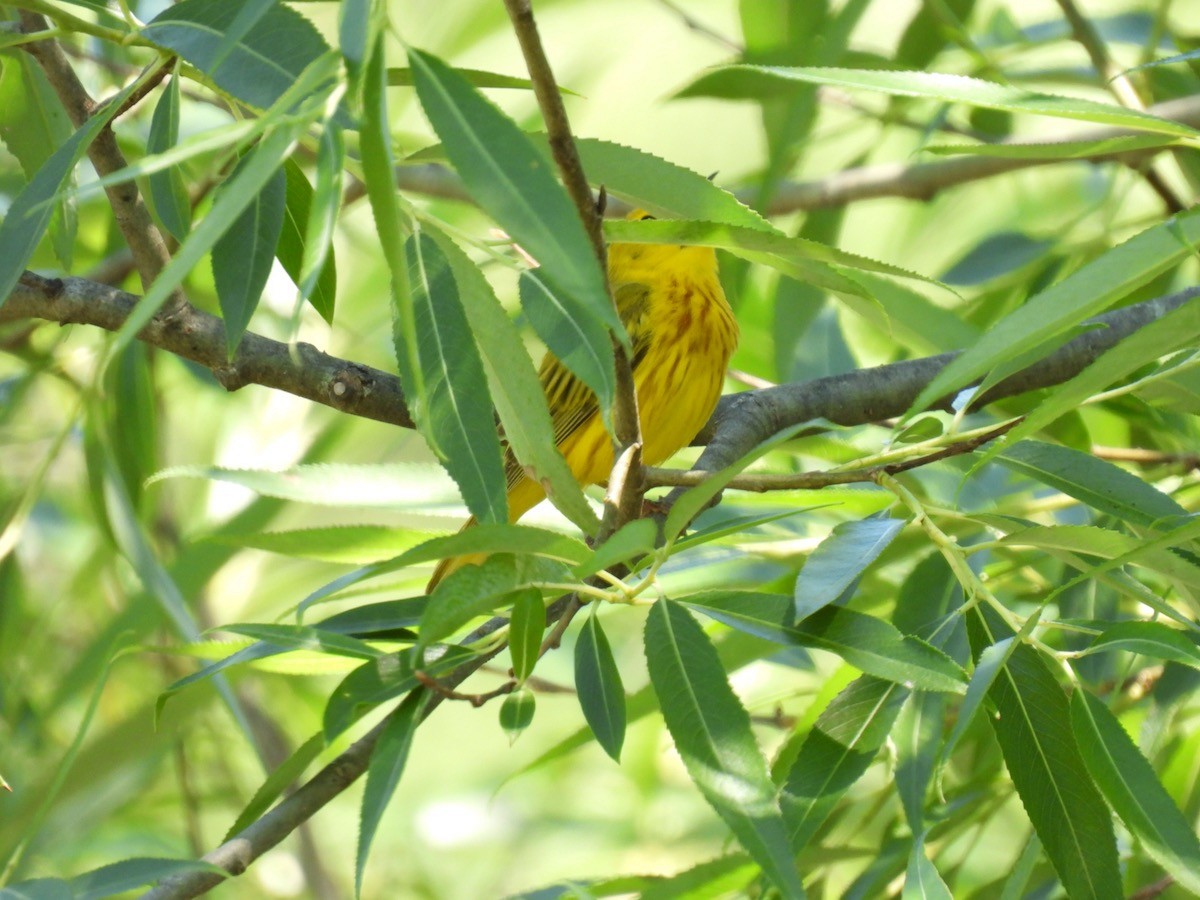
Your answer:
<point x="682" y="334"/>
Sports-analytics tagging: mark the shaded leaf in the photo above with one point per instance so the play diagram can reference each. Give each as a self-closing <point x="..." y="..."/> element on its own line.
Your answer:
<point x="598" y="684"/>
<point x="839" y="559"/>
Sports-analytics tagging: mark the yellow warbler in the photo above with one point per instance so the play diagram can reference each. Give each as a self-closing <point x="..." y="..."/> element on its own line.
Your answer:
<point x="682" y="333"/>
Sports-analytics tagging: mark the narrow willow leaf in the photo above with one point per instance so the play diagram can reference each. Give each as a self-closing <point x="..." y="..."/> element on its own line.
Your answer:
<point x="306" y="637"/>
<point x="1087" y="149"/>
<point x="281" y="778"/>
<point x="466" y="593"/>
<point x="260" y="65"/>
<point x="837" y="751"/>
<point x="867" y="643"/>
<point x="512" y="183"/>
<point x="1153" y="639"/>
<point x="665" y="188"/>
<point x="918" y="734"/>
<point x="30" y="212"/>
<point x="526" y="627"/>
<point x="318" y="270"/>
<point x="740" y="238"/>
<point x="356" y="544"/>
<point x="459" y="427"/>
<point x="943" y="87"/>
<point x="168" y="194"/>
<point x="1093" y="481"/>
<point x="383" y="774"/>
<point x="581" y="343"/>
<point x="1045" y="765"/>
<point x="712" y="733"/>
<point x="401" y="77"/>
<point x="333" y="484"/>
<point x="1132" y="789"/>
<point x="922" y="880"/>
<point x="631" y="541"/>
<point x="1110" y="545"/>
<point x="292" y="249"/>
<point x="598" y="685"/>
<point x="1178" y="329"/>
<point x="516" y="390"/>
<point x="839" y="559"/>
<point x="243" y="255"/>
<point x="1085" y="292"/>
<point x="33" y="124"/>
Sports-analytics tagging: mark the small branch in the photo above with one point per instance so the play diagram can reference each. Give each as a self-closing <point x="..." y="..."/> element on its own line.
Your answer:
<point x="554" y="639"/>
<point x="791" y="481"/>
<point x="1143" y="457"/>
<point x="626" y="427"/>
<point x="699" y="27"/>
<point x="448" y="693"/>
<point x="196" y="335"/>
<point x="1150" y="891"/>
<point x="143" y="90"/>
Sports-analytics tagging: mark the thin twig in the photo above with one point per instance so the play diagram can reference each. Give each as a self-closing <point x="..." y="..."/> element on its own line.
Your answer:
<point x="1156" y="889"/>
<point x="1143" y="457"/>
<point x="626" y="429"/>
<point x="791" y="481"/>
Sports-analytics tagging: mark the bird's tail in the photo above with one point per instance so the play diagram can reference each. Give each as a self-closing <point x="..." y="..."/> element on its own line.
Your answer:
<point x="453" y="563"/>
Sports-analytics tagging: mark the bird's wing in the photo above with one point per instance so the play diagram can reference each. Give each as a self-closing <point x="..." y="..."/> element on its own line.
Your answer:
<point x="571" y="401"/>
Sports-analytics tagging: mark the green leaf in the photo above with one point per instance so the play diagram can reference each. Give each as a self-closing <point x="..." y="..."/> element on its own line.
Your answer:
<point x="1109" y="545"/>
<point x="168" y="194"/>
<point x="259" y="66"/>
<point x="1086" y="149"/>
<point x="942" y="87"/>
<point x="526" y="626"/>
<point x="712" y="733"/>
<point x="383" y="774"/>
<point x="842" y="744"/>
<point x="33" y="124"/>
<point x="598" y="685"/>
<point x="921" y="879"/>
<point x="459" y="427"/>
<point x="306" y="637"/>
<point x="1176" y="330"/>
<point x="743" y="239"/>
<point x="243" y="255"/>
<point x="1153" y="639"/>
<point x="513" y="184"/>
<point x="1132" y="789"/>
<point x="333" y="484"/>
<point x="918" y="735"/>
<point x="631" y="541"/>
<point x="281" y="778"/>
<point x="318" y="269"/>
<point x="839" y="559"/>
<point x="664" y="188"/>
<point x="1045" y="765"/>
<point x="356" y="544"/>
<point x="866" y="642"/>
<point x="466" y="593"/>
<point x="1056" y="310"/>
<point x="30" y="212"/>
<point x="580" y="342"/>
<point x="400" y="77"/>
<point x="292" y="249"/>
<point x="515" y="388"/>
<point x="516" y="712"/>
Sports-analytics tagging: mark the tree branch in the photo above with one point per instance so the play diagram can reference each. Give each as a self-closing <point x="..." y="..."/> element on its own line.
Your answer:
<point x="625" y="421"/>
<point x="346" y="386"/>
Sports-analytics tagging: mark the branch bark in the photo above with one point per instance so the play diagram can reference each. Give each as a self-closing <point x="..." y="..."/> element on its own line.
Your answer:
<point x="304" y="370"/>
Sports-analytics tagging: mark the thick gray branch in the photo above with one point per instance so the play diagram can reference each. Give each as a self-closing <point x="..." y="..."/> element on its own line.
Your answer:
<point x="193" y="334"/>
